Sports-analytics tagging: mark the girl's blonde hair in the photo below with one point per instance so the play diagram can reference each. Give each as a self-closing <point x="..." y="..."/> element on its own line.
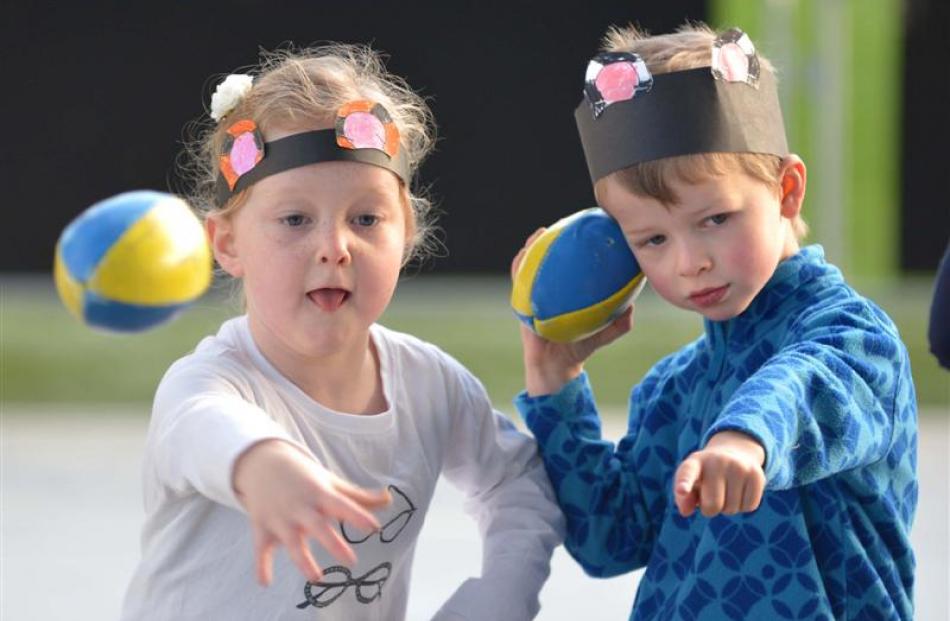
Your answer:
<point x="687" y="48"/>
<point x="302" y="88"/>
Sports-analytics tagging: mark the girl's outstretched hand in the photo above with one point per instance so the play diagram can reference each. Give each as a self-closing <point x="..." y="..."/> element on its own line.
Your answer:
<point x="290" y="499"/>
<point x="548" y="365"/>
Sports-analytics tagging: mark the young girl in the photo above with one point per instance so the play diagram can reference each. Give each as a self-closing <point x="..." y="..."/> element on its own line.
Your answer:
<point x="304" y="424"/>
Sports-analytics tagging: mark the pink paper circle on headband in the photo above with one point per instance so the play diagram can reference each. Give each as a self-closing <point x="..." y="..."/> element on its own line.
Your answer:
<point x="614" y="77"/>
<point x="734" y="58"/>
<point x="244" y="153"/>
<point x="733" y="63"/>
<point x="365" y="131"/>
<point x="242" y="150"/>
<point x="617" y="82"/>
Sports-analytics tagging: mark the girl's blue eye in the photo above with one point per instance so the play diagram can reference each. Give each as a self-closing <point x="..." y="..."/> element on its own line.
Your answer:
<point x="294" y="220"/>
<point x="366" y="219"/>
<point x="719" y="218"/>
<point x="656" y="240"/>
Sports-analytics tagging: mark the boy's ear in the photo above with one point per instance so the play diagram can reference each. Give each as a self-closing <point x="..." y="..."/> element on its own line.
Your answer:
<point x="221" y="235"/>
<point x="793" y="180"/>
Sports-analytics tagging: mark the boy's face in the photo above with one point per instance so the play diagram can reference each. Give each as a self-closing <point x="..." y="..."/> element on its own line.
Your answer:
<point x="714" y="250"/>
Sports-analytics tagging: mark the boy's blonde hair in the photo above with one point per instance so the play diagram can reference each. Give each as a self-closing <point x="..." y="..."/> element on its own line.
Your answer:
<point x="687" y="48"/>
<point x="297" y="89"/>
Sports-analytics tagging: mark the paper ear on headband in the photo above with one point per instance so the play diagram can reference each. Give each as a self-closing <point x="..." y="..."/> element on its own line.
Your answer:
<point x="629" y="116"/>
<point x="364" y="132"/>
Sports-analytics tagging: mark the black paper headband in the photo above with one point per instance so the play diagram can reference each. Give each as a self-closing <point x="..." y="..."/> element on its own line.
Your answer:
<point x="364" y="132"/>
<point x="629" y="116"/>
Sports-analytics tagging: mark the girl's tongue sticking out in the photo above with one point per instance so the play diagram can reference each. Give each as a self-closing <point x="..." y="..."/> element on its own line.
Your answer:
<point x="329" y="299"/>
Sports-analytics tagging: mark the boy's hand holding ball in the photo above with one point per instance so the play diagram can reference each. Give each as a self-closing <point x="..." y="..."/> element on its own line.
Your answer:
<point x="573" y="286"/>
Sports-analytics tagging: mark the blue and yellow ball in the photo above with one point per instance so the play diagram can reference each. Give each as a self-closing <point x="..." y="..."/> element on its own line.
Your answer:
<point x="132" y="261"/>
<point x="576" y="277"/>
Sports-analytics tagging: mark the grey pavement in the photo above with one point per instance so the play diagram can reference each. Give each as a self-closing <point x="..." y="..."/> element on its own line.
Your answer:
<point x="70" y="506"/>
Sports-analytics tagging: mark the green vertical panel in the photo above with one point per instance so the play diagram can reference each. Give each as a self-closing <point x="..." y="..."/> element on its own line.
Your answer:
<point x="873" y="211"/>
<point x="739" y="13"/>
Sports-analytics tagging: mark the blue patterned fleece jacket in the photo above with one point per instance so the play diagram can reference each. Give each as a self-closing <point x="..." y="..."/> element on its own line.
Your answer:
<point x="819" y="376"/>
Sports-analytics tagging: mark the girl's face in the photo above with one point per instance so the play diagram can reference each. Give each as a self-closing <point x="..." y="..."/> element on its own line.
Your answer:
<point x="714" y="251"/>
<point x="319" y="249"/>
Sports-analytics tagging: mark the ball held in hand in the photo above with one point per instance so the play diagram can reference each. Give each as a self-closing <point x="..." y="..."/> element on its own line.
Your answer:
<point x="576" y="277"/>
<point x="132" y="261"/>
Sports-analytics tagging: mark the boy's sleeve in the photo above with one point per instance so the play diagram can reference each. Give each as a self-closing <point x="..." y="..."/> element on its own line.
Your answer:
<point x="827" y="403"/>
<point x="508" y="494"/>
<point x="599" y="486"/>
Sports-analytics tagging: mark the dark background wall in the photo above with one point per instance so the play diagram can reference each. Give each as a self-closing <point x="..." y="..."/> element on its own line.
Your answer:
<point x="925" y="222"/>
<point x="97" y="95"/>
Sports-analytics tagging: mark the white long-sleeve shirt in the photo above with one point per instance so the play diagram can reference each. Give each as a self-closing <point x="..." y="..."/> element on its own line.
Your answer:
<point x="197" y="549"/>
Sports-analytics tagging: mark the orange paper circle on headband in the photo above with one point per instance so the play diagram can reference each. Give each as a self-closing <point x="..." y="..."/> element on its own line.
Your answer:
<point x="364" y="124"/>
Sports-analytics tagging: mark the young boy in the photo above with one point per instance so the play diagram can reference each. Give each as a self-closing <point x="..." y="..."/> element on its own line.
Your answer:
<point x="790" y="424"/>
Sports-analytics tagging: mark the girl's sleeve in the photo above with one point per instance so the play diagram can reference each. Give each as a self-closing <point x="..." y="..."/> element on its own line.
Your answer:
<point x="602" y="488"/>
<point x="508" y="494"/>
<point x="201" y="423"/>
<point x="828" y="402"/>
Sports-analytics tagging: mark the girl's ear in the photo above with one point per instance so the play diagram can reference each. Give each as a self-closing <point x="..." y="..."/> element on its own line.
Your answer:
<point x="793" y="179"/>
<point x="220" y="231"/>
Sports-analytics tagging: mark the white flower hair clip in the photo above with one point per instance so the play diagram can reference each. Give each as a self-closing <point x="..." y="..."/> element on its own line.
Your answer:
<point x="229" y="94"/>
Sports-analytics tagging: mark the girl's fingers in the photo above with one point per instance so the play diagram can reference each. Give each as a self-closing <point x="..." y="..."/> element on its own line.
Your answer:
<point x="340" y="507"/>
<point x="326" y="534"/>
<point x="299" y="551"/>
<point x="296" y="540"/>
<point x="264" y="554"/>
<point x="369" y="499"/>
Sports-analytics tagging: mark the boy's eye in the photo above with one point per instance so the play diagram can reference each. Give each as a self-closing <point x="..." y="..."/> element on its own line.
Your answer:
<point x="656" y="240"/>
<point x="366" y="219"/>
<point x="294" y="220"/>
<point x="719" y="218"/>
